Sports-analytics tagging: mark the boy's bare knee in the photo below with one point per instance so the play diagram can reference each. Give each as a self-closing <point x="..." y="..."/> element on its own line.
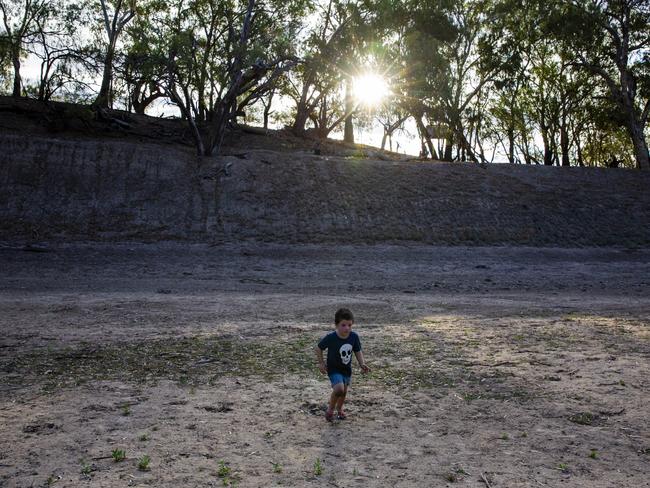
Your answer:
<point x="339" y="391"/>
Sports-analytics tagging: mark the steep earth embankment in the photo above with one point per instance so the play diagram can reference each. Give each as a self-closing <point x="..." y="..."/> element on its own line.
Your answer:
<point x="266" y="189"/>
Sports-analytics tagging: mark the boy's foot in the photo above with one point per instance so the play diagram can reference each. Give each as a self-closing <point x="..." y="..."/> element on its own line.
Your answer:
<point x="341" y="416"/>
<point x="329" y="415"/>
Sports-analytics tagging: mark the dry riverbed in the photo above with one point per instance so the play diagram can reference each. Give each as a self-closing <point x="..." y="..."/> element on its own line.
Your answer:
<point x="500" y="366"/>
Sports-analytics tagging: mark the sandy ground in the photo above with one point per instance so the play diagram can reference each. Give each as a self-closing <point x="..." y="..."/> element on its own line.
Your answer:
<point x="501" y="367"/>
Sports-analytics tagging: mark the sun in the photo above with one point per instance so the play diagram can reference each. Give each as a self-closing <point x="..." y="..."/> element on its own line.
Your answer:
<point x="370" y="89"/>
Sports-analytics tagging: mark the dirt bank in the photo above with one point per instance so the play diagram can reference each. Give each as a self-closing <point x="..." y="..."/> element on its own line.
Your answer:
<point x="89" y="179"/>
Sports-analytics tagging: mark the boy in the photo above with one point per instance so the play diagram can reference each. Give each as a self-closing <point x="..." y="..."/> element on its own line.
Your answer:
<point x="340" y="345"/>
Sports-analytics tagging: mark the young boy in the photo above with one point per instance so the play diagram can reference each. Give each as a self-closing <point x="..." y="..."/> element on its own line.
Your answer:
<point x="340" y="345"/>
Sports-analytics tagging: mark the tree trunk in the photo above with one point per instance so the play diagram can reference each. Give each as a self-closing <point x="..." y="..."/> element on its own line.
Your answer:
<point x="564" y="145"/>
<point x="17" y="91"/>
<point x="449" y="147"/>
<point x="103" y="99"/>
<point x="427" y="137"/>
<point x="640" y="144"/>
<point x="348" y="133"/>
<point x="548" y="153"/>
<point x="302" y="115"/>
<point x="511" y="145"/>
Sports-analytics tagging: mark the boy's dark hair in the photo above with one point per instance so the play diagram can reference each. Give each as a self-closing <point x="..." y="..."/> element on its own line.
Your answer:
<point x="343" y="314"/>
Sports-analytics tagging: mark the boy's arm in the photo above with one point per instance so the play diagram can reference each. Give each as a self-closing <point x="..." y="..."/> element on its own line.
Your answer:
<point x="361" y="361"/>
<point x="321" y="361"/>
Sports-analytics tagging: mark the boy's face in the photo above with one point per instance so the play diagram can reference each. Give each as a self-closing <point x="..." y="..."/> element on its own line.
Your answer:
<point x="343" y="328"/>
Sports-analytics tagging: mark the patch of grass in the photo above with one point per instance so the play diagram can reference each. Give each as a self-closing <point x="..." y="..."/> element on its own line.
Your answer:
<point x="86" y="469"/>
<point x="225" y="473"/>
<point x="224" y="470"/>
<point x="143" y="463"/>
<point x="583" y="418"/>
<point x="563" y="467"/>
<point x="277" y="467"/>
<point x="318" y="467"/>
<point x="470" y="397"/>
<point x="410" y="361"/>
<point x="593" y="454"/>
<point x="118" y="455"/>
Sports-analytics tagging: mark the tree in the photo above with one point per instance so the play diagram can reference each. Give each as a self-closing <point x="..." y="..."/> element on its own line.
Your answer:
<point x="320" y="71"/>
<point x="116" y="14"/>
<point x="20" y="19"/>
<point x="611" y="39"/>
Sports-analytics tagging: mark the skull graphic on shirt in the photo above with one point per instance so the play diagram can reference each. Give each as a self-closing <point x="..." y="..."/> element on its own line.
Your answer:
<point x="346" y="353"/>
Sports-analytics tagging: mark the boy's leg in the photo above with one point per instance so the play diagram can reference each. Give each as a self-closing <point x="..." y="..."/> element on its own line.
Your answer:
<point x="340" y="400"/>
<point x="338" y="390"/>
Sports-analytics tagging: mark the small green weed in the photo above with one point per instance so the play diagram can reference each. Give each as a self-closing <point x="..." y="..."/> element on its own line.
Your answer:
<point x="583" y="418"/>
<point x="593" y="454"/>
<point x="143" y="437"/>
<point x="143" y="463"/>
<point x="126" y="410"/>
<point x="224" y="470"/>
<point x="277" y="467"/>
<point x="86" y="469"/>
<point x="118" y="455"/>
<point x="563" y="467"/>
<point x="505" y="436"/>
<point x="318" y="467"/>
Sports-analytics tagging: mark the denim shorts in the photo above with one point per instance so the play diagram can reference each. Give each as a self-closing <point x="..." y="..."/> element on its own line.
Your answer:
<point x="336" y="377"/>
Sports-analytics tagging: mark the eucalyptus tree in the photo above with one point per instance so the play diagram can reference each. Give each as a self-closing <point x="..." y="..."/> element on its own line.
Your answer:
<point x="611" y="39"/>
<point x="115" y="15"/>
<point x="467" y="75"/>
<point x="315" y="84"/>
<point x="142" y="64"/>
<point x="59" y="49"/>
<point x="538" y="92"/>
<point x="20" y="19"/>
<point x="220" y="57"/>
<point x="415" y="35"/>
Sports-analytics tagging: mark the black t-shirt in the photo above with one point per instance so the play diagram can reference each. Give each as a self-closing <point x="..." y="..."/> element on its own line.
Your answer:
<point x="339" y="352"/>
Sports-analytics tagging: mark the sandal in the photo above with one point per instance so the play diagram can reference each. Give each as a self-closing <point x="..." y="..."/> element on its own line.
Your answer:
<point x="341" y="416"/>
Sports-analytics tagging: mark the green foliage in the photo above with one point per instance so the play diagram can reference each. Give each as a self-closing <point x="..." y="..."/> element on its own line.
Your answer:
<point x="118" y="455"/>
<point x="224" y="470"/>
<point x="143" y="463"/>
<point x="318" y="467"/>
